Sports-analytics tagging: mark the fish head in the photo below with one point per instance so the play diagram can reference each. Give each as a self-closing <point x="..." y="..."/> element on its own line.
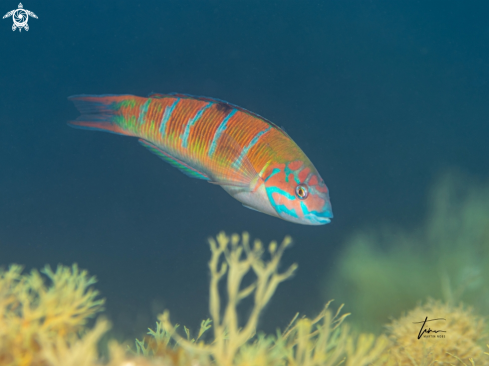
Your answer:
<point x="297" y="193"/>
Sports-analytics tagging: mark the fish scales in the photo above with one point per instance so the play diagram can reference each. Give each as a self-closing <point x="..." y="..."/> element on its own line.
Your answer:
<point x="203" y="132"/>
<point x="193" y="146"/>
<point x="211" y="139"/>
<point x="176" y="124"/>
<point x="241" y="128"/>
<point x="200" y="135"/>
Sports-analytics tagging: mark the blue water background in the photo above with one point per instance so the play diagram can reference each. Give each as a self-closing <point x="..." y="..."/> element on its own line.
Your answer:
<point x="381" y="95"/>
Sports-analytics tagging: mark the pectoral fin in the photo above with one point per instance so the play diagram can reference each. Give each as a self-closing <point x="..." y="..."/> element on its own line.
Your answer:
<point x="237" y="171"/>
<point x="180" y="165"/>
<point x="251" y="208"/>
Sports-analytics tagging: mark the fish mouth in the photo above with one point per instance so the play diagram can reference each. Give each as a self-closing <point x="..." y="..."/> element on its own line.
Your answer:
<point x="318" y="217"/>
<point x="323" y="220"/>
<point x="323" y="217"/>
<point x="319" y="220"/>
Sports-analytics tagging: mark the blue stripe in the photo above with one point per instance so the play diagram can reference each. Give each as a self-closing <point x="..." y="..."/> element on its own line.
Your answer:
<point x="191" y="122"/>
<point x="295" y="174"/>
<point x="287" y="195"/>
<point x="281" y="208"/>
<point x="252" y="143"/>
<point x="285" y="209"/>
<point x="315" y="216"/>
<point x="143" y="110"/>
<point x="274" y="171"/>
<point x="219" y="131"/>
<point x="167" y="115"/>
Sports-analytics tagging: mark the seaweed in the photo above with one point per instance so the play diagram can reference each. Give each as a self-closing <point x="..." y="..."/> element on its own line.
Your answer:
<point x="37" y="320"/>
<point x="44" y="322"/>
<point x="324" y="340"/>
<point x="385" y="270"/>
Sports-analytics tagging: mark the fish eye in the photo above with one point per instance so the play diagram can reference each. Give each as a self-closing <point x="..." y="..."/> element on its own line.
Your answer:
<point x="301" y="191"/>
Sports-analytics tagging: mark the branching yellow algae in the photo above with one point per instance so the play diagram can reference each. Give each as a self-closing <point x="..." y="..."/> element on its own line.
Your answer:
<point x="33" y="314"/>
<point x="80" y="352"/>
<point x="44" y="324"/>
<point x="239" y="259"/>
<point x="323" y="341"/>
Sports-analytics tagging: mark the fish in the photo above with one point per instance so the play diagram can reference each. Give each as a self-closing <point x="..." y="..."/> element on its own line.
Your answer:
<point x="251" y="158"/>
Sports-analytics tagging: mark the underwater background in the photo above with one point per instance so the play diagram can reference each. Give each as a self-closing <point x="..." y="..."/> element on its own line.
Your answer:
<point x="382" y="96"/>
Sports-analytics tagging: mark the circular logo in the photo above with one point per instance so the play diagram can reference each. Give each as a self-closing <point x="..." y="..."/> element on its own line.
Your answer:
<point x="20" y="18"/>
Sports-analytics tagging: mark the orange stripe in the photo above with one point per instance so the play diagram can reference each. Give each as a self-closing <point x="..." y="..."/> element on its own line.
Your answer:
<point x="204" y="130"/>
<point x="241" y="127"/>
<point x="177" y="121"/>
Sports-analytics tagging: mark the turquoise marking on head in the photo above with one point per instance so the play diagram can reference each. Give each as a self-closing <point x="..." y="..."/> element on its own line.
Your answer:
<point x="284" y="209"/>
<point x="191" y="122"/>
<point x="274" y="171"/>
<point x="287" y="171"/>
<point x="315" y="216"/>
<point x="287" y="195"/>
<point x="143" y="110"/>
<point x="295" y="174"/>
<point x="247" y="148"/>
<point x="307" y="209"/>
<point x="222" y="127"/>
<point x="166" y="116"/>
<point x="281" y="208"/>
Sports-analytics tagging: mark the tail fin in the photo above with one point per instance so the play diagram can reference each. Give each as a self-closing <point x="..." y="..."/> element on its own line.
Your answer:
<point x="97" y="113"/>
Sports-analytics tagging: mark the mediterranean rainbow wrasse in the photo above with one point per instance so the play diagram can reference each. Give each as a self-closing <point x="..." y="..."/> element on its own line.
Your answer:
<point x="250" y="157"/>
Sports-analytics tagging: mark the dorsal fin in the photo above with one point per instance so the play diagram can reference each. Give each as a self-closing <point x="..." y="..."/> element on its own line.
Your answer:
<point x="217" y="101"/>
<point x="159" y="95"/>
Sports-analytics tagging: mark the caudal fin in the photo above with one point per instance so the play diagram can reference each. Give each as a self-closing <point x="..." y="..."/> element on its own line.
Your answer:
<point x="98" y="113"/>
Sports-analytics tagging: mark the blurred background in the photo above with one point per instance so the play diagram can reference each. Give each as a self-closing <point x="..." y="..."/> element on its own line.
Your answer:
<point x="383" y="97"/>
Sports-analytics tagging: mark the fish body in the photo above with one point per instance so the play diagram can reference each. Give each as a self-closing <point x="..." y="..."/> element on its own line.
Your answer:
<point x="251" y="158"/>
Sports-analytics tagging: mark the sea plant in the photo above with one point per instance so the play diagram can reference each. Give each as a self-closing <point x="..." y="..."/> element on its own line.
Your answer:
<point x="324" y="340"/>
<point x="383" y="271"/>
<point x="40" y="314"/>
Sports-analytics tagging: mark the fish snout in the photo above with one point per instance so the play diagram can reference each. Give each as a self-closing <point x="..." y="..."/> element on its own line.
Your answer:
<point x="325" y="215"/>
<point x="318" y="215"/>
